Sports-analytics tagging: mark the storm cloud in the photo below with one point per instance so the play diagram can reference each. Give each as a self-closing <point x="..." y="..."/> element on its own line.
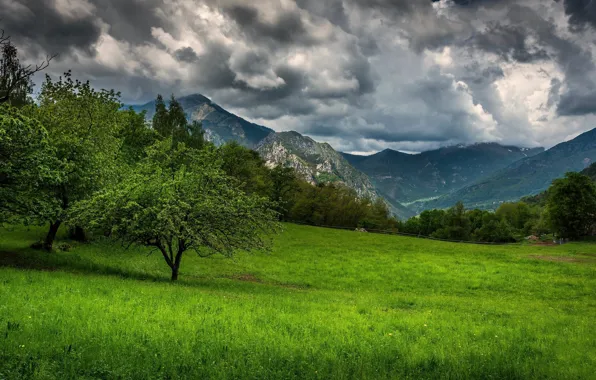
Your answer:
<point x="361" y="75"/>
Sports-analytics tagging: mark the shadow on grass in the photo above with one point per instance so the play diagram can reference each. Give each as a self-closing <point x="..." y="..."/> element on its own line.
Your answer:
<point x="74" y="263"/>
<point x="71" y="262"/>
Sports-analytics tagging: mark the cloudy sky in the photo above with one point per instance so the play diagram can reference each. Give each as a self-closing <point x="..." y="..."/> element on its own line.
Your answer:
<point x="363" y="75"/>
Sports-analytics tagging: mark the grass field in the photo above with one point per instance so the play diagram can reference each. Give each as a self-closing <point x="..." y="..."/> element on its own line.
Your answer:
<point x="324" y="304"/>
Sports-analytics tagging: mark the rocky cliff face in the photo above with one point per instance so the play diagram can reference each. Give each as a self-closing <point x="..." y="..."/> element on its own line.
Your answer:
<point x="315" y="162"/>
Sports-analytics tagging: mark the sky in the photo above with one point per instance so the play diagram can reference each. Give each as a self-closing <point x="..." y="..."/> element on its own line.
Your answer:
<point x="362" y="75"/>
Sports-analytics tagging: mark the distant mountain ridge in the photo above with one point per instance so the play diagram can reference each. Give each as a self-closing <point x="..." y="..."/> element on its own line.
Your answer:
<point x="410" y="178"/>
<point x="220" y="125"/>
<point x="525" y="177"/>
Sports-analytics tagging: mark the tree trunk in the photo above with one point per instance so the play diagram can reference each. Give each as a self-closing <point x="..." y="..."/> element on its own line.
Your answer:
<point x="177" y="261"/>
<point x="77" y="233"/>
<point x="174" y="273"/>
<point x="49" y="242"/>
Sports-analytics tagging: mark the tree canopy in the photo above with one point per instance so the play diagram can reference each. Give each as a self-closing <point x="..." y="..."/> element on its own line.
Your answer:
<point x="179" y="198"/>
<point x="83" y="126"/>
<point x="571" y="205"/>
<point x="27" y="163"/>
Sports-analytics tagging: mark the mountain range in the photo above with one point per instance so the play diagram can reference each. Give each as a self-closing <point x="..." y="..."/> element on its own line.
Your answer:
<point x="481" y="175"/>
<point x="527" y="176"/>
<point x="414" y="178"/>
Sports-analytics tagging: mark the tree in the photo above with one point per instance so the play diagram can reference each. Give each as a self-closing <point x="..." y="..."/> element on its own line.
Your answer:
<point x="161" y="122"/>
<point x="26" y="162"/>
<point x="179" y="199"/>
<point x="494" y="230"/>
<point x="431" y="221"/>
<point x="136" y="135"/>
<point x="172" y="123"/>
<point x="571" y="205"/>
<point x="456" y="224"/>
<point x="15" y="79"/>
<point x="247" y="166"/>
<point x="83" y="127"/>
<point x="284" y="186"/>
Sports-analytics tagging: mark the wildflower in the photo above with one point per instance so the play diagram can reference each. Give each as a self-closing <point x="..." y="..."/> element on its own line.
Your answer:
<point x="390" y="334"/>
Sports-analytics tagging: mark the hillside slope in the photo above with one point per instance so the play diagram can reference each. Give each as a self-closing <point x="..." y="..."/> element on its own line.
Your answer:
<point x="220" y="125"/>
<point x="407" y="178"/>
<point x="526" y="177"/>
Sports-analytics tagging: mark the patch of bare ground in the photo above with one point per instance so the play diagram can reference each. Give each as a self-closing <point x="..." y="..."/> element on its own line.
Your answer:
<point x="247" y="277"/>
<point x="545" y="243"/>
<point x="565" y="259"/>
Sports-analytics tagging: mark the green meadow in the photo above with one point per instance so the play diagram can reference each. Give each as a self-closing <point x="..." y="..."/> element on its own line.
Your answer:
<point x="323" y="304"/>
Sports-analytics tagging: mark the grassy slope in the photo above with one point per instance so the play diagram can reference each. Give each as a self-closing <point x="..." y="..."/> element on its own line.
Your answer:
<point x="324" y="304"/>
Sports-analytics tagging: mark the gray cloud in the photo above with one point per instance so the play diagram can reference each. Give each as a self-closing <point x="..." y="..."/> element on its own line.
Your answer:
<point x="582" y="13"/>
<point x="186" y="54"/>
<point x="38" y="25"/>
<point x="363" y="74"/>
<point x="287" y="28"/>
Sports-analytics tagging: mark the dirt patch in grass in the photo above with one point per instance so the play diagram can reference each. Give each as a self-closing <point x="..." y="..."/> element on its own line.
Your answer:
<point x="545" y="243"/>
<point x="587" y="254"/>
<point x="246" y="277"/>
<point x="565" y="259"/>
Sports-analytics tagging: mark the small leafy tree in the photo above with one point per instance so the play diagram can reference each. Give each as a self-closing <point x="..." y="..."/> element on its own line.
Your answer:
<point x="27" y="162"/>
<point x="178" y="199"/>
<point x="571" y="205"/>
<point x="83" y="126"/>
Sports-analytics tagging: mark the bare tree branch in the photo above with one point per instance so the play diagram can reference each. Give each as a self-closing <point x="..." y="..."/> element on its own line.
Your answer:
<point x="12" y="74"/>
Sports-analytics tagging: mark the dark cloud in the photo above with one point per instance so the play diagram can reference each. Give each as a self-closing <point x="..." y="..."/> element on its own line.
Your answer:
<point x="391" y="71"/>
<point x="38" y="25"/>
<point x="186" y="54"/>
<point x="510" y="42"/>
<point x="288" y="28"/>
<point x="582" y="13"/>
<point x="574" y="103"/>
<point x="131" y="20"/>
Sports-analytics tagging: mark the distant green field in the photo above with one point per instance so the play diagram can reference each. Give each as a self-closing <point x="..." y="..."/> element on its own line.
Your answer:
<point x="324" y="304"/>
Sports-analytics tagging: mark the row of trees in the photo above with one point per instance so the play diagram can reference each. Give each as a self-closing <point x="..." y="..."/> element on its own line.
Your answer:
<point x="567" y="210"/>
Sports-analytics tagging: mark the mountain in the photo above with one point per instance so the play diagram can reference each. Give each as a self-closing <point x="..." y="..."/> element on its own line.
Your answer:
<point x="528" y="176"/>
<point x="414" y="178"/>
<point x="315" y="162"/>
<point x="220" y="125"/>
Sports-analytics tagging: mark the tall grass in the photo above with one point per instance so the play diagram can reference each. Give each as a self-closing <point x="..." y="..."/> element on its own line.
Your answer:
<point x="325" y="304"/>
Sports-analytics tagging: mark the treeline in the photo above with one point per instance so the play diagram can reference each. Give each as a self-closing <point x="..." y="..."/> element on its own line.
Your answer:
<point x="567" y="210"/>
<point x="298" y="201"/>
